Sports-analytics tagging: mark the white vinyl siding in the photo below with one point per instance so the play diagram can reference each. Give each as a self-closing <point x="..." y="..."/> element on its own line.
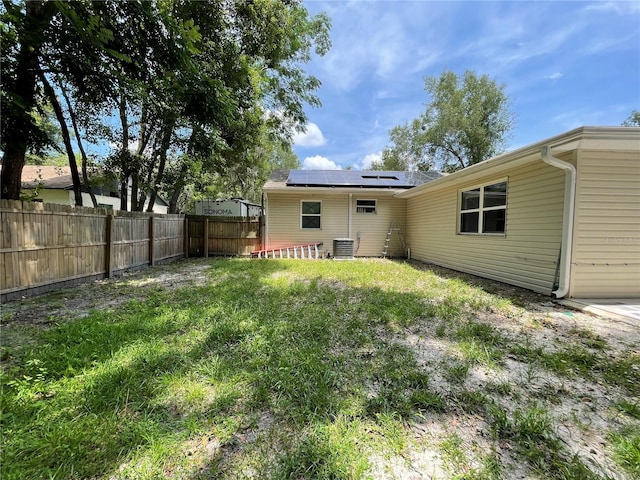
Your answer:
<point x="606" y="248"/>
<point x="283" y="222"/>
<point x="373" y="228"/>
<point x="525" y="256"/>
<point x="283" y="227"/>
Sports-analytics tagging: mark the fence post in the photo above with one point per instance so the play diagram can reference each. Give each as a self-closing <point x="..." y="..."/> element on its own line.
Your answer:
<point x="109" y="248"/>
<point x="152" y="242"/>
<point x="205" y="237"/>
<point x="186" y="237"/>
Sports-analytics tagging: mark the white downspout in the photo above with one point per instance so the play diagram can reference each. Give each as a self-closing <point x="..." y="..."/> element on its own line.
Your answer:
<point x="265" y="233"/>
<point x="567" y="220"/>
<point x="350" y="200"/>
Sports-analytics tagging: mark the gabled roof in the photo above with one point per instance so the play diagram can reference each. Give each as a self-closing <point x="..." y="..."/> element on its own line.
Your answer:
<point x="283" y="179"/>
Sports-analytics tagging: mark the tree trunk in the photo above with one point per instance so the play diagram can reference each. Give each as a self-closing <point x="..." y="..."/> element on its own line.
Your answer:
<point x="164" y="147"/>
<point x="76" y="130"/>
<point x="175" y="196"/>
<point x="125" y="166"/>
<point x="135" y="182"/>
<point x="177" y="190"/>
<point x="124" y="192"/>
<point x="19" y="128"/>
<point x="51" y="95"/>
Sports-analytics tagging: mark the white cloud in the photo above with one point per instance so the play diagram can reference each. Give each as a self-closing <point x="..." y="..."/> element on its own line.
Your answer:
<point x="311" y="137"/>
<point x="554" y="76"/>
<point x="318" y="162"/>
<point x="620" y="8"/>
<point x="368" y="160"/>
<point x="371" y="39"/>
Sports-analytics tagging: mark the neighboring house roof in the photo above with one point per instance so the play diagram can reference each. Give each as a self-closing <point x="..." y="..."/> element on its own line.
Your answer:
<point x="588" y="138"/>
<point x="45" y="176"/>
<point x="55" y="178"/>
<point x="284" y="179"/>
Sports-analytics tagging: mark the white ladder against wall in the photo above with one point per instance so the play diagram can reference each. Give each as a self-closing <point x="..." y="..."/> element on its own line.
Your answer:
<point x="308" y="250"/>
<point x="393" y="227"/>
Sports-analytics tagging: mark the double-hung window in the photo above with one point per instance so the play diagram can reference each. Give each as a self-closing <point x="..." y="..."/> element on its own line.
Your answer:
<point x="310" y="214"/>
<point x="483" y="210"/>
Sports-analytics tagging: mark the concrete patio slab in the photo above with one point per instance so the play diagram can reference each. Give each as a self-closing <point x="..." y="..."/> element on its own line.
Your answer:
<point x="626" y="309"/>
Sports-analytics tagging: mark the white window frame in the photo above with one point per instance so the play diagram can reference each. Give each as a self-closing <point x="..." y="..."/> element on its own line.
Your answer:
<point x="366" y="208"/>
<point x="302" y="215"/>
<point x="481" y="209"/>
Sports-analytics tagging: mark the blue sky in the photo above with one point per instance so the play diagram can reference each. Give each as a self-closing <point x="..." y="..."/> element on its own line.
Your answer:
<point x="563" y="64"/>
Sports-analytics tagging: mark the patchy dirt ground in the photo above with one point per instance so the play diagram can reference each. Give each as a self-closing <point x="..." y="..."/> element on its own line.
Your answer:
<point x="104" y="294"/>
<point x="582" y="411"/>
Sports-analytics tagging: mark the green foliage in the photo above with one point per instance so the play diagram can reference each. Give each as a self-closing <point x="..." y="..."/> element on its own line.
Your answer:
<point x="626" y="448"/>
<point x="466" y="119"/>
<point x="465" y="122"/>
<point x="194" y="84"/>
<point x="243" y="178"/>
<point x="629" y="408"/>
<point x="633" y="120"/>
<point x="409" y="151"/>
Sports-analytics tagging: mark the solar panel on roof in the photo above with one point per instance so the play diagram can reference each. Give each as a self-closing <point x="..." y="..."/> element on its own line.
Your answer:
<point x="350" y="178"/>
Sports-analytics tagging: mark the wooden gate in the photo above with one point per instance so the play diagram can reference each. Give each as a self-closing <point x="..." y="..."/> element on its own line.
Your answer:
<point x="222" y="236"/>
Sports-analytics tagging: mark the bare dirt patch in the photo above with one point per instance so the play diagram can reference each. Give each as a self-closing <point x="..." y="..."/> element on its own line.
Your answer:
<point x="106" y="294"/>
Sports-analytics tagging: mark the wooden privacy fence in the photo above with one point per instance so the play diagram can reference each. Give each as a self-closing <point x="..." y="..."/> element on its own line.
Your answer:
<point x="209" y="236"/>
<point x="48" y="246"/>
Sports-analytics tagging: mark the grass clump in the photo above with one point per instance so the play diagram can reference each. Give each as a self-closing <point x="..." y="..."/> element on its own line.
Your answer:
<point x="454" y="454"/>
<point x="626" y="449"/>
<point x="531" y="433"/>
<point x="457" y="371"/>
<point x="325" y="451"/>
<point x="628" y="407"/>
<point x="576" y="360"/>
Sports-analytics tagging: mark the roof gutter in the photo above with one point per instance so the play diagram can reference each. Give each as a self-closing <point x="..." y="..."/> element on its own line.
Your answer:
<point x="567" y="220"/>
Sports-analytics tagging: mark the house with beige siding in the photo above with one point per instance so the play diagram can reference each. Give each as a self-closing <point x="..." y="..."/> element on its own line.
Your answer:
<point x="560" y="217"/>
<point x="319" y="206"/>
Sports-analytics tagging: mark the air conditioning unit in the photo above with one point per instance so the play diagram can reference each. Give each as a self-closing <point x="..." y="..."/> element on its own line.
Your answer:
<point x="343" y="249"/>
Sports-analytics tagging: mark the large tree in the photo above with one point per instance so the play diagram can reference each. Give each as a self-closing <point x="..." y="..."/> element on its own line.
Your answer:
<point x="23" y="34"/>
<point x="192" y="81"/>
<point x="47" y="43"/>
<point x="466" y="121"/>
<point x="243" y="179"/>
<point x="409" y="150"/>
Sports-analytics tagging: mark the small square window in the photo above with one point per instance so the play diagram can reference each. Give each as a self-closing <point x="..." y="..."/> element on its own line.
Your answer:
<point x="495" y="195"/>
<point x="311" y="208"/>
<point x="365" y="206"/>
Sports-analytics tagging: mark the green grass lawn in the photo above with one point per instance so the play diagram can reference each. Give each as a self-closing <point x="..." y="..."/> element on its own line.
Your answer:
<point x="295" y="369"/>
